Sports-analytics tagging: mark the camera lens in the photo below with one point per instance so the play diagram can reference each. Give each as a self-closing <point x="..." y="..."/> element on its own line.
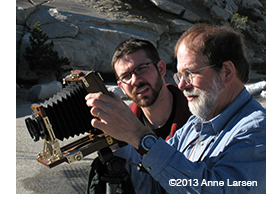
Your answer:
<point x="33" y="129"/>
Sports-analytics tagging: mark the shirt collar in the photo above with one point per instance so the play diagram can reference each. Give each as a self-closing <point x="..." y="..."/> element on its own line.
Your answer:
<point x="219" y="122"/>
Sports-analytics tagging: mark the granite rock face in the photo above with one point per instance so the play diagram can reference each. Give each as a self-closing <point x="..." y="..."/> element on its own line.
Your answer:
<point x="87" y="31"/>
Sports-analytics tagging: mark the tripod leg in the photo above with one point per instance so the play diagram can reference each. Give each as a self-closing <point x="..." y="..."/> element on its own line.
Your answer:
<point x="114" y="188"/>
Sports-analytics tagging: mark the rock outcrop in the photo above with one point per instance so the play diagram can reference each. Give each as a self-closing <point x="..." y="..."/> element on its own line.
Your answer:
<point x="87" y="31"/>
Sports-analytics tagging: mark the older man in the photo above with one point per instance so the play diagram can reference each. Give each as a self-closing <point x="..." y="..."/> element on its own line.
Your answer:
<point x="222" y="147"/>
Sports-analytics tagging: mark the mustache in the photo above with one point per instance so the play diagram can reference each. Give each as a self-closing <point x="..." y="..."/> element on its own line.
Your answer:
<point x="135" y="89"/>
<point x="191" y="92"/>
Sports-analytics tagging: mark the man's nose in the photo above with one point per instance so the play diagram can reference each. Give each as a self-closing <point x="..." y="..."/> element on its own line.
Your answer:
<point x="182" y="85"/>
<point x="134" y="79"/>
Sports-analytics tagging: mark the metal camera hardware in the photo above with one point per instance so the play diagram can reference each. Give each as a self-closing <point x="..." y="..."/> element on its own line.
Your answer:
<point x="65" y="115"/>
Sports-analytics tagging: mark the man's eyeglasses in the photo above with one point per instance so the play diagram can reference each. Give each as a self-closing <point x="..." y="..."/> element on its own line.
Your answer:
<point x="140" y="69"/>
<point x="187" y="75"/>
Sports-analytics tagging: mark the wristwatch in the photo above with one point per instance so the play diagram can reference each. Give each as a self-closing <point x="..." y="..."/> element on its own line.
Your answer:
<point x="146" y="142"/>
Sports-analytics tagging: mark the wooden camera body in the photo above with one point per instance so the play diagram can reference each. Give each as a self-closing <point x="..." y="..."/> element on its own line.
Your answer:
<point x="65" y="115"/>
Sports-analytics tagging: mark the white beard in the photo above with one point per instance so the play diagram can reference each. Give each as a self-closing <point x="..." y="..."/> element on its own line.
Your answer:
<point x="203" y="104"/>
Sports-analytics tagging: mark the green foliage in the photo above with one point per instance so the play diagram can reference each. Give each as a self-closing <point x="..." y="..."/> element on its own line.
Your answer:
<point x="239" y="21"/>
<point x="40" y="54"/>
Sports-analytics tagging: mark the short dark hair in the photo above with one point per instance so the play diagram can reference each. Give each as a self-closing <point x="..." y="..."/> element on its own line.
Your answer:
<point x="132" y="45"/>
<point x="218" y="44"/>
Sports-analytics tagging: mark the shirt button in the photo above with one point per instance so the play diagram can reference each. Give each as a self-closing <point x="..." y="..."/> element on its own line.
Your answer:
<point x="149" y="168"/>
<point x="202" y="143"/>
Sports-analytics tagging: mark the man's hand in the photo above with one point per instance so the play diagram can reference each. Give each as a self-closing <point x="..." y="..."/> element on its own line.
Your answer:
<point x="115" y="118"/>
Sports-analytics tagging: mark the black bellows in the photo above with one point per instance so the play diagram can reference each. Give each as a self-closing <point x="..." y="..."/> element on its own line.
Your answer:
<point x="68" y="113"/>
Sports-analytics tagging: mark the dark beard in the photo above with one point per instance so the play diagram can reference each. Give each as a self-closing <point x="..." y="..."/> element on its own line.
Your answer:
<point x="147" y="101"/>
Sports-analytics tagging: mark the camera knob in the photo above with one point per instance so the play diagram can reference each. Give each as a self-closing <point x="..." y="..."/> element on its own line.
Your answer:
<point x="78" y="157"/>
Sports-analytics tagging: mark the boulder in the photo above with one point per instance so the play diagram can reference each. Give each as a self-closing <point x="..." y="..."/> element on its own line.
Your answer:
<point x="219" y="13"/>
<point x="256" y="88"/>
<point x="169" y="6"/>
<point x="41" y="92"/>
<point x="191" y="16"/>
<point x="117" y="90"/>
<point x="23" y="13"/>
<point x="252" y="3"/>
<point x="179" y="26"/>
<point x="231" y="7"/>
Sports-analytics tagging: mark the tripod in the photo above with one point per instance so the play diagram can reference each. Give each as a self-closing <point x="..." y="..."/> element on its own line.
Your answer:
<point x="115" y="175"/>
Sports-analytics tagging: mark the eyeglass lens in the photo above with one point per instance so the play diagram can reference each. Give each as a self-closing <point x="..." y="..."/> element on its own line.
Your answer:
<point x="137" y="71"/>
<point x="187" y="76"/>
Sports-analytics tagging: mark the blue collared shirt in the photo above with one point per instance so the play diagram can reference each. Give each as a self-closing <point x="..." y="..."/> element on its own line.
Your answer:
<point x="226" y="154"/>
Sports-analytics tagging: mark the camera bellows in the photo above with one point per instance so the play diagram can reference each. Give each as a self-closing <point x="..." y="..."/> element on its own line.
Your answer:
<point x="65" y="115"/>
<point x="68" y="113"/>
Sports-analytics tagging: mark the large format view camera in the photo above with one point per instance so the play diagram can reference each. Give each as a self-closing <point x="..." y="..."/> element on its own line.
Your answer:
<point x="65" y="115"/>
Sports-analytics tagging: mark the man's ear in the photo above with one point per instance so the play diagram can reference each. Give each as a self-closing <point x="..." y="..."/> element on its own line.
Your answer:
<point x="119" y="84"/>
<point x="162" y="68"/>
<point x="228" y="71"/>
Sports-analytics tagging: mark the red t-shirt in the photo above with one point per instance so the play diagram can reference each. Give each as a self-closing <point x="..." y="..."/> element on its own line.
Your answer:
<point x="179" y="115"/>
